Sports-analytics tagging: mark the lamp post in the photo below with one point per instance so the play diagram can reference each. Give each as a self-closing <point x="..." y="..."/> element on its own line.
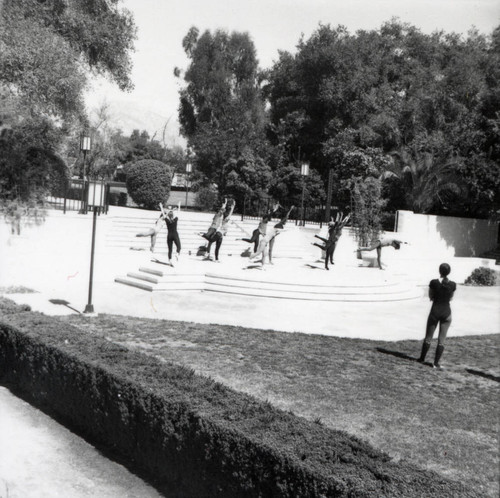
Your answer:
<point x="96" y="199"/>
<point x="304" y="171"/>
<point x="329" y="195"/>
<point x="189" y="168"/>
<point x="85" y="145"/>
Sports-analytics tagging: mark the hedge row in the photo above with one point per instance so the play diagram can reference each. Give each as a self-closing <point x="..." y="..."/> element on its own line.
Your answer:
<point x="188" y="435"/>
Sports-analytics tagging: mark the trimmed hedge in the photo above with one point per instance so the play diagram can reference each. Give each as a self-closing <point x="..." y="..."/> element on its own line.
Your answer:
<point x="188" y="434"/>
<point x="148" y="182"/>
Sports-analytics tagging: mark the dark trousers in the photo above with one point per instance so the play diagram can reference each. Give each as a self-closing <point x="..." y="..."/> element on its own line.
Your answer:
<point x="218" y="242"/>
<point x="171" y="240"/>
<point x="254" y="240"/>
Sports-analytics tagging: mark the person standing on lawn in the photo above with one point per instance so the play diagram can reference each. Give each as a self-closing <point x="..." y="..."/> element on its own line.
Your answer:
<point x="441" y="292"/>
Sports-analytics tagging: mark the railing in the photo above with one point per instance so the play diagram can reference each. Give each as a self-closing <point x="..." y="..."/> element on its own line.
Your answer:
<point x="73" y="197"/>
<point x="254" y="210"/>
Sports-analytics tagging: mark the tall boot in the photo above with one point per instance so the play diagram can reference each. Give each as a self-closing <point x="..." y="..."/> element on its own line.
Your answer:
<point x="439" y="352"/>
<point x="425" y="347"/>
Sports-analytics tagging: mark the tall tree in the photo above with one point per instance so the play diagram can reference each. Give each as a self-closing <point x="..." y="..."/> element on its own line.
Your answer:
<point x="221" y="107"/>
<point x="47" y="47"/>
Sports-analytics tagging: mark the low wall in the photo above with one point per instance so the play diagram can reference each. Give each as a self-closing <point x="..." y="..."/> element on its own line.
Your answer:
<point x="177" y="196"/>
<point x="174" y="198"/>
<point x="187" y="434"/>
<point x="447" y="236"/>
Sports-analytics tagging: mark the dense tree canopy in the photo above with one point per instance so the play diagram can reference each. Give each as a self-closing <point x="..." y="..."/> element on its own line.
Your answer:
<point x="420" y="111"/>
<point x="46" y="49"/>
<point x="428" y="98"/>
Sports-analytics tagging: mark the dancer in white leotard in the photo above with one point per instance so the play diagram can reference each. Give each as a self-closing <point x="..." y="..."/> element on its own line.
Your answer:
<point x="268" y="240"/>
<point x="154" y="231"/>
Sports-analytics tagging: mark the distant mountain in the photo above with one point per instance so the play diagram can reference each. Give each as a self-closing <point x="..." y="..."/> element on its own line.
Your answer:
<point x="129" y="116"/>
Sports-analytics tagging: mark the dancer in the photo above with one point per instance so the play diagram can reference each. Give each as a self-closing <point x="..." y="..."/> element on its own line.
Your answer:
<point x="441" y="292"/>
<point x="221" y="233"/>
<point x="153" y="232"/>
<point x="385" y="242"/>
<point x="215" y="225"/>
<point x="268" y="240"/>
<point x="260" y="231"/>
<point x="334" y="233"/>
<point x="216" y="221"/>
<point x="171" y="220"/>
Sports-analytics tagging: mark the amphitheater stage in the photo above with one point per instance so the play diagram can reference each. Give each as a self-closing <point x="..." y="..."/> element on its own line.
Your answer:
<point x="299" y="279"/>
<point x="47" y="267"/>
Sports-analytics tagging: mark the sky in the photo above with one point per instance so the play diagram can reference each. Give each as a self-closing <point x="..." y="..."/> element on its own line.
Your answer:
<point x="272" y="24"/>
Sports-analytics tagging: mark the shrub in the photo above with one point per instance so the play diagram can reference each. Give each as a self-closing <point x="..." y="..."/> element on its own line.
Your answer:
<point x="19" y="213"/>
<point x="148" y="183"/>
<point x="117" y="198"/>
<point x="113" y="198"/>
<point x="122" y="199"/>
<point x="206" y="198"/>
<point x="483" y="276"/>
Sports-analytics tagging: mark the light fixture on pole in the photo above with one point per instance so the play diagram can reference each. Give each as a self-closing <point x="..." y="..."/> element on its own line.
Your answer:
<point x="95" y="199"/>
<point x="85" y="145"/>
<point x="304" y="171"/>
<point x="189" y="168"/>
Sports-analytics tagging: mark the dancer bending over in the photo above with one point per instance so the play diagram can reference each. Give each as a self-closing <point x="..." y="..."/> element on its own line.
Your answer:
<point x="441" y="292"/>
<point x="334" y="233"/>
<point x="221" y="233"/>
<point x="260" y="231"/>
<point x="385" y="242"/>
<point x="216" y="222"/>
<point x="268" y="241"/>
<point x="153" y="232"/>
<point x="171" y="220"/>
<point x="214" y="226"/>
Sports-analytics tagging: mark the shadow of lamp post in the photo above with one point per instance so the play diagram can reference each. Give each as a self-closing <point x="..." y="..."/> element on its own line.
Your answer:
<point x="304" y="171"/>
<point x="85" y="145"/>
<point x="96" y="200"/>
<point x="189" y="168"/>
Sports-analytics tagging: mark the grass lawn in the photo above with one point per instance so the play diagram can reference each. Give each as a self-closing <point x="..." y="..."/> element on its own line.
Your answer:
<point x="446" y="421"/>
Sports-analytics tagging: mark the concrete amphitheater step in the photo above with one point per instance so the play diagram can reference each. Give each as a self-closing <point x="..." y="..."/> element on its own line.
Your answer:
<point x="148" y="286"/>
<point x="122" y="235"/>
<point x="280" y="286"/>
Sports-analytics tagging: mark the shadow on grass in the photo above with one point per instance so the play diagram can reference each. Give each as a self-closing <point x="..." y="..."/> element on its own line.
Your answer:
<point x="62" y="302"/>
<point x="397" y="354"/>
<point x="483" y="374"/>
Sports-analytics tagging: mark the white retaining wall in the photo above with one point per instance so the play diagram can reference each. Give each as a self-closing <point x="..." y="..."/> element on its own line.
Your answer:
<point x="447" y="235"/>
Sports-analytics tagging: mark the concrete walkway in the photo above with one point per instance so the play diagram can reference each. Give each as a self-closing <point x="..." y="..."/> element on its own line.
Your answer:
<point x="41" y="459"/>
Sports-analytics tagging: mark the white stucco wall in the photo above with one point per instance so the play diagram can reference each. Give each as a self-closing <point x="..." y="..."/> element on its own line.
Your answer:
<point x="447" y="235"/>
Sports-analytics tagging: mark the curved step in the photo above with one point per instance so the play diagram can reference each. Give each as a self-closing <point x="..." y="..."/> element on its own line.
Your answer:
<point x="160" y="277"/>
